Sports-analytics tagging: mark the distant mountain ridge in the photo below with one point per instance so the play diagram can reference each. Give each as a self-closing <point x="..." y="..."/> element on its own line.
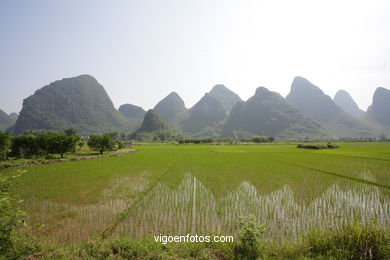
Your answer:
<point x="225" y="96"/>
<point x="379" y="111"/>
<point x="5" y="121"/>
<point x="344" y="100"/>
<point x="132" y="111"/>
<point x="267" y="113"/>
<point x="209" y="114"/>
<point x="312" y="101"/>
<point x="82" y="103"/>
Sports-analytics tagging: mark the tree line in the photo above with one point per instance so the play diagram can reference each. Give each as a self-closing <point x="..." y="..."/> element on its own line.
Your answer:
<point x="45" y="143"/>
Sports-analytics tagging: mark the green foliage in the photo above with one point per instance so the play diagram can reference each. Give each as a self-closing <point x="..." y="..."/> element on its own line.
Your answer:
<point x="318" y="146"/>
<point x="70" y="131"/>
<point x="25" y="146"/>
<point x="249" y="234"/>
<point x="147" y="248"/>
<point x="5" y="144"/>
<point x="62" y="143"/>
<point x="13" y="245"/>
<point x="268" y="167"/>
<point x="354" y="241"/>
<point x="43" y="144"/>
<point x="101" y="143"/>
<point x="263" y="139"/>
<point x="196" y="141"/>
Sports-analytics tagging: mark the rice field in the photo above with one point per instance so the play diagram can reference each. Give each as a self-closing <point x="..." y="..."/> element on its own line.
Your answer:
<point x="203" y="189"/>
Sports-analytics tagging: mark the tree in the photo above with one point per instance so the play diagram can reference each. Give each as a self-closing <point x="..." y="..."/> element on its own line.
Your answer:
<point x="5" y="144"/>
<point x="25" y="145"/>
<point x="101" y="143"/>
<point x="70" y="131"/>
<point x="62" y="143"/>
<point x="383" y="137"/>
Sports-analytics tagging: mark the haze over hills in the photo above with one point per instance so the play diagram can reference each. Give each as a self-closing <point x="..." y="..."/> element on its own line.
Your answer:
<point x="82" y="103"/>
<point x="134" y="115"/>
<point x="267" y="113"/>
<point x="225" y="96"/>
<point x="312" y="101"/>
<point x="153" y="127"/>
<point x="172" y="109"/>
<point x="132" y="111"/>
<point x="208" y="112"/>
<point x="344" y="100"/>
<point x="5" y="121"/>
<point x="379" y="111"/>
<point x="78" y="102"/>
<point x="14" y="116"/>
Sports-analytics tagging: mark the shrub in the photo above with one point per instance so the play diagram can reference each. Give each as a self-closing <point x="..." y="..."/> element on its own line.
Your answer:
<point x="317" y="146"/>
<point x="13" y="245"/>
<point x="247" y="246"/>
<point x="352" y="242"/>
<point x="5" y="144"/>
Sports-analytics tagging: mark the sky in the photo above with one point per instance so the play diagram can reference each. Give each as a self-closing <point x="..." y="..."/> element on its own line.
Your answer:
<point x="140" y="51"/>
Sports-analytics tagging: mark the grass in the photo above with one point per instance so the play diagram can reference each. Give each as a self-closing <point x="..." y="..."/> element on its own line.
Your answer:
<point x="292" y="191"/>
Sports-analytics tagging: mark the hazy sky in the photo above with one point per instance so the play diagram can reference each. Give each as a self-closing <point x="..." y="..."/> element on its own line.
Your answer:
<point x="142" y="50"/>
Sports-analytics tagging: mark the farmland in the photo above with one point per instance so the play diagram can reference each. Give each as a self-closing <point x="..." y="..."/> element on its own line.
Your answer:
<point x="203" y="189"/>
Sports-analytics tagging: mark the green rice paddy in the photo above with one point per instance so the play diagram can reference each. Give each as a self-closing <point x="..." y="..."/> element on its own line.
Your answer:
<point x="182" y="189"/>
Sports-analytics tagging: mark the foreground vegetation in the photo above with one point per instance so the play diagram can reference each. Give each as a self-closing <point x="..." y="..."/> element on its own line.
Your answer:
<point x="97" y="208"/>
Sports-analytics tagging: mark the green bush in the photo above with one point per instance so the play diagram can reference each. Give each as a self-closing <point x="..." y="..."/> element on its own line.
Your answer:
<point x="317" y="146"/>
<point x="13" y="244"/>
<point x="247" y="246"/>
<point x="352" y="242"/>
<point x="5" y="144"/>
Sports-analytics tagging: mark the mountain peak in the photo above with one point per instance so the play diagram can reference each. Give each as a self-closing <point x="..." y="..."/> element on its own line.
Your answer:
<point x="207" y="112"/>
<point x="5" y="120"/>
<point x="153" y="122"/>
<point x="219" y="87"/>
<point x="312" y="101"/>
<point x="79" y="102"/>
<point x="172" y="109"/>
<point x="268" y="113"/>
<point x="131" y="111"/>
<point x="260" y="91"/>
<point x="225" y="96"/>
<point x="344" y="100"/>
<point x="302" y="86"/>
<point x="379" y="110"/>
<point x="379" y="91"/>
